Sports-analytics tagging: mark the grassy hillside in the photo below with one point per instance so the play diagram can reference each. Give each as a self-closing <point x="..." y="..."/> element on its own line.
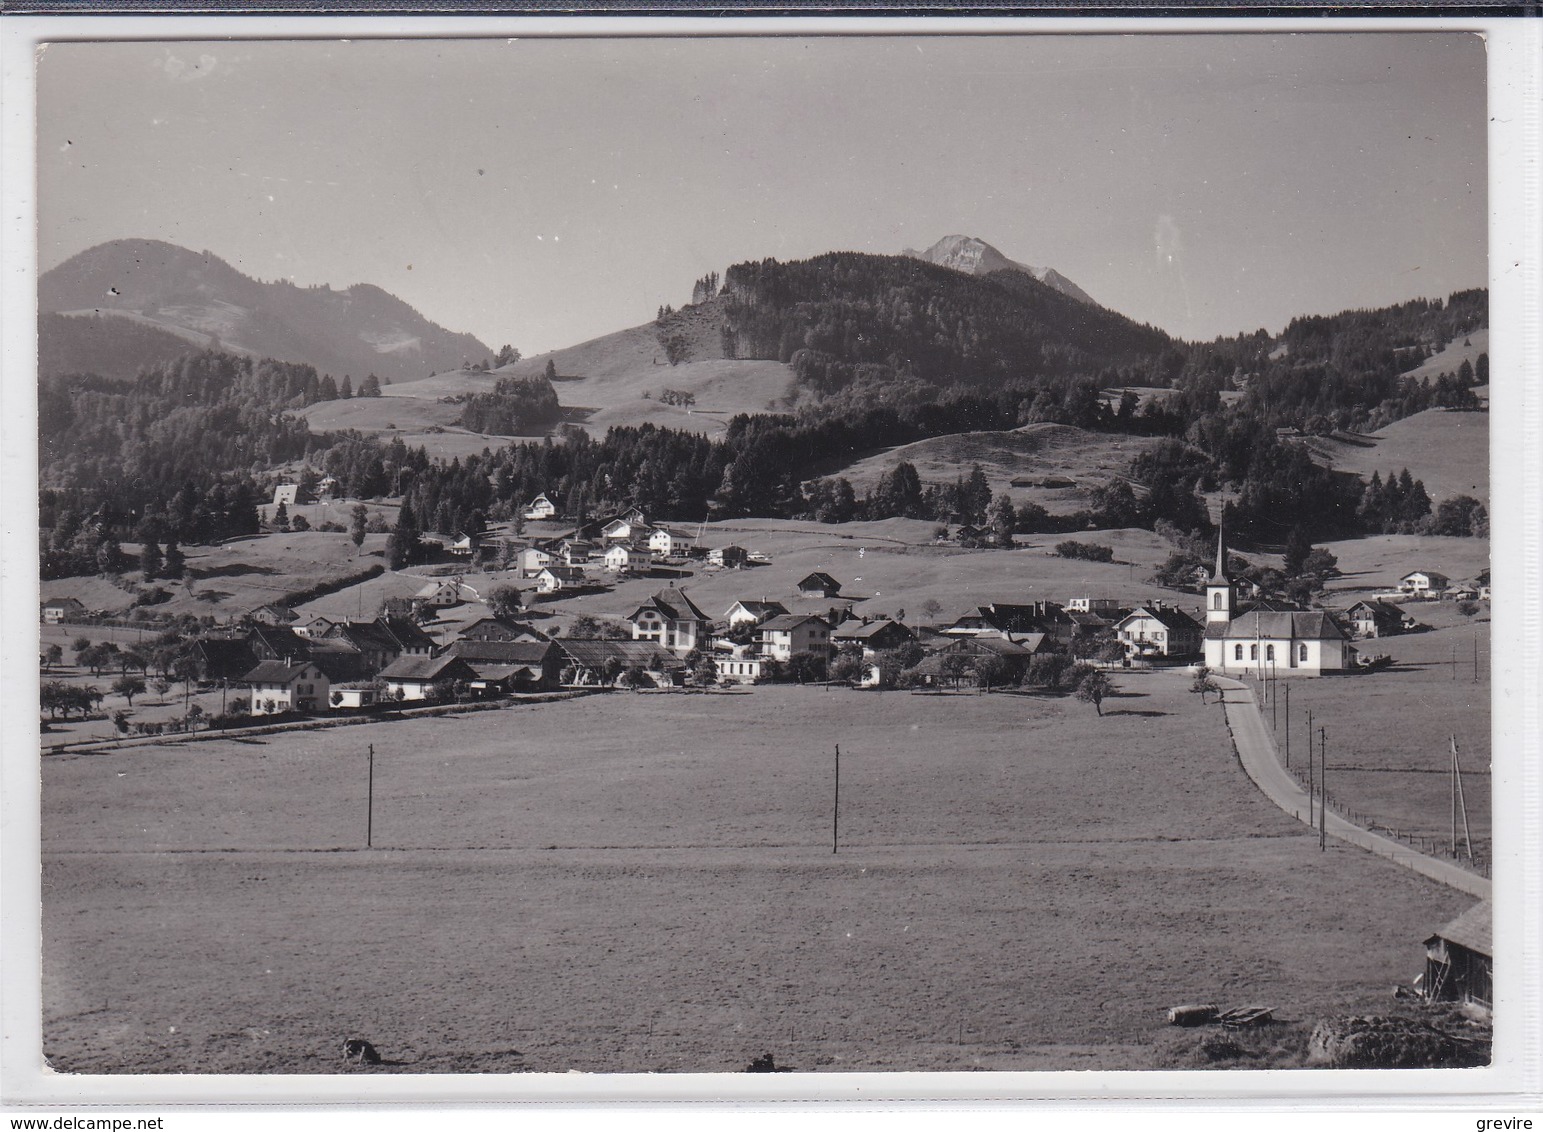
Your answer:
<point x="1035" y="451"/>
<point x="1453" y="355"/>
<point x="1448" y="450"/>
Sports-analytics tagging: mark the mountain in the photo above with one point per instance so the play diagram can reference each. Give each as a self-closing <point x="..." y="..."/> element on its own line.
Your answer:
<point x="202" y="299"/>
<point x="974" y="256"/>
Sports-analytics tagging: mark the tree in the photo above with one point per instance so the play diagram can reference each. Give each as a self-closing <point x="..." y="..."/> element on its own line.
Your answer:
<point x="194" y="714"/>
<point x="53" y="655"/>
<point x="1093" y="688"/>
<point x="505" y="600"/>
<point x="161" y="686"/>
<point x="1202" y="683"/>
<point x="300" y="523"/>
<point x="175" y="563"/>
<point x="550" y="372"/>
<point x="149" y="560"/>
<point x="1320" y="564"/>
<point x="369" y="387"/>
<point x="128" y="687"/>
<point x="931" y="608"/>
<point x="1004" y="520"/>
<point x="346" y="391"/>
<point x="360" y="517"/>
<point x="1298" y="547"/>
<point x="507" y="355"/>
<point x="849" y="668"/>
<point x="957" y="665"/>
<point x="402" y="548"/>
<point x="806" y="667"/>
<point x="705" y="672"/>
<point x="281" y="517"/>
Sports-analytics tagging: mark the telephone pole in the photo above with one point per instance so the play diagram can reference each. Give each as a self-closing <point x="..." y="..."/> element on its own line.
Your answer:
<point x="1310" y="786"/>
<point x="369" y="810"/>
<point x="1323" y="787"/>
<point x="835" y="813"/>
<point x="1288" y="726"/>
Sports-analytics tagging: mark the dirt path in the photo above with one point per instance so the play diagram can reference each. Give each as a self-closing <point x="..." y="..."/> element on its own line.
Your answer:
<point x="1256" y="750"/>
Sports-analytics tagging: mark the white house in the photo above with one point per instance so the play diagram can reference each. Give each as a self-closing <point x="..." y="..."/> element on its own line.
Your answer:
<point x="56" y="609"/>
<point x="412" y="676"/>
<point x="532" y="560"/>
<point x="624" y="558"/>
<point x="554" y="578"/>
<point x="731" y="557"/>
<point x="625" y="528"/>
<point x="440" y="592"/>
<point x="667" y="543"/>
<point x="277" y="687"/>
<point x="1102" y="606"/>
<point x="791" y="633"/>
<point x="671" y="620"/>
<point x="753" y="612"/>
<point x="541" y="508"/>
<point x="1423" y="583"/>
<point x="737" y="663"/>
<point x="286" y="493"/>
<point x="1159" y="630"/>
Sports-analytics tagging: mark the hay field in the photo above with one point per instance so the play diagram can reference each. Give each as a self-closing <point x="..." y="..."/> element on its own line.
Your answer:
<point x="645" y="883"/>
<point x="1449" y="451"/>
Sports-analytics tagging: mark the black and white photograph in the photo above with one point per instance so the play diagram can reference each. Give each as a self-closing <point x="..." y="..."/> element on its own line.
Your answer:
<point x="776" y="554"/>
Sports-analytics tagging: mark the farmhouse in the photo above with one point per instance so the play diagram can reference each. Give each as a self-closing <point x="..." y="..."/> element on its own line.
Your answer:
<point x="1259" y="639"/>
<point x="464" y="545"/>
<point x="729" y="557"/>
<point x="1000" y="619"/>
<point x="790" y="633"/>
<point x="627" y="558"/>
<point x="274" y="615"/>
<point x="753" y="612"/>
<point x="217" y="660"/>
<point x="532" y="560"/>
<point x="315" y="628"/>
<point x="278" y="687"/>
<point x="413" y="676"/>
<point x="671" y="620"/>
<point x="625" y="528"/>
<point x="541" y="508"/>
<point x="511" y="665"/>
<point x="595" y="662"/>
<point x="57" y="609"/>
<point x="872" y="636"/>
<point x="667" y="543"/>
<point x="440" y="592"/>
<point x="1459" y="960"/>
<point x="1423" y="583"/>
<point x="555" y="578"/>
<point x="577" y="551"/>
<point x="819" y="584"/>
<point x="1159" y="630"/>
<point x="271" y="643"/>
<point x="381" y="641"/>
<point x="500" y="629"/>
<point x="957" y="658"/>
<point x="1378" y="619"/>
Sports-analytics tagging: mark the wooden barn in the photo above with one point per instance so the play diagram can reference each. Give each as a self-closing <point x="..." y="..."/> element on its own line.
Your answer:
<point x="1459" y="959"/>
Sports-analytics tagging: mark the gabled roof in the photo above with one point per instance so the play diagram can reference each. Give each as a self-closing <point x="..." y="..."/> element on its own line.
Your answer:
<point x="504" y="652"/>
<point x="283" y="641"/>
<point x="758" y="608"/>
<point x="225" y="658"/>
<point x="338" y="663"/>
<point x="857" y="631"/>
<point x="999" y="646"/>
<point x="281" y="612"/>
<point x="1303" y="625"/>
<point x="563" y="573"/>
<point x="484" y="625"/>
<point x="819" y="579"/>
<point x="1427" y="573"/>
<point x="594" y="653"/>
<point x="274" y="672"/>
<point x="406" y="632"/>
<point x="787" y="622"/>
<point x="1378" y="609"/>
<point x="1474" y="929"/>
<point x="672" y="604"/>
<point x="1174" y="619"/>
<point x="426" y="668"/>
<point x="63" y="603"/>
<point x="365" y="636"/>
<point x="438" y="584"/>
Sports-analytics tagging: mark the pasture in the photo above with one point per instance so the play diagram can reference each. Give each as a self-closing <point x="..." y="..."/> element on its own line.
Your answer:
<point x="1448" y="451"/>
<point x="645" y="882"/>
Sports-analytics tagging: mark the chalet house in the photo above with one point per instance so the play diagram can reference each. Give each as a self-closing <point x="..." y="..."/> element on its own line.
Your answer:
<point x="440" y="593"/>
<point x="667" y="543"/>
<point x="510" y="666"/>
<point x="1090" y="624"/>
<point x="57" y="609"/>
<point x="541" y="508"/>
<point x="790" y="633"/>
<point x="412" y="676"/>
<point x="464" y="545"/>
<point x="729" y="557"/>
<point x="753" y="612"/>
<point x="629" y="558"/>
<point x="500" y="629"/>
<point x="670" y="620"/>
<point x="277" y="687"/>
<point x="328" y="487"/>
<point x="1158" y="630"/>
<point x="1460" y="959"/>
<point x="1257" y="639"/>
<point x="274" y="615"/>
<point x="935" y="668"/>
<point x="577" y="552"/>
<point x="591" y="662"/>
<point x="289" y="494"/>
<point x="872" y="636"/>
<point x="315" y="628"/>
<point x="1009" y="621"/>
<point x="819" y="584"/>
<point x="625" y="528"/>
<point x="532" y="560"/>
<point x="1378" y="619"/>
<point x="555" y="578"/>
<point x="1423" y="583"/>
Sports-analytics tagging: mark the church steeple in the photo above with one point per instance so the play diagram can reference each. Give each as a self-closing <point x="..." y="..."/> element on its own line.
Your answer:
<point x="1221" y="599"/>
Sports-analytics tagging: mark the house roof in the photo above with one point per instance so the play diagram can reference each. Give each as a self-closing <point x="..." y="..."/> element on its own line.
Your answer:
<point x="1427" y="573"/>
<point x="274" y="672"/>
<point x="365" y="635"/>
<point x="1474" y="929"/>
<point x="438" y="584"/>
<point x="225" y="658"/>
<point x="493" y="672"/>
<point x="563" y="573"/>
<point x="505" y="652"/>
<point x="1304" y="625"/>
<point x="1378" y="609"/>
<point x="594" y="653"/>
<point x="490" y="624"/>
<point x="1174" y="619"/>
<point x="857" y="631"/>
<point x="999" y="646"/>
<point x="283" y="641"/>
<point x="673" y="604"/>
<point x="406" y="632"/>
<point x="338" y="663"/>
<point x="787" y="622"/>
<point x="282" y="612"/>
<point x="819" y="579"/>
<point x="759" y="608"/>
<point x="425" y="668"/>
<point x="63" y="603"/>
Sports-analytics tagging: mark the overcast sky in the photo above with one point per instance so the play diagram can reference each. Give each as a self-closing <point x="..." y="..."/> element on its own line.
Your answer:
<point x="542" y="192"/>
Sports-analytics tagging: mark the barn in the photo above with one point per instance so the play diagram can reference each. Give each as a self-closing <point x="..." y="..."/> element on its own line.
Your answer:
<point x="1459" y="960"/>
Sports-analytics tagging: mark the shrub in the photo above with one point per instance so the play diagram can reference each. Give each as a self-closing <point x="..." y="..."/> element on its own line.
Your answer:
<point x="1084" y="551"/>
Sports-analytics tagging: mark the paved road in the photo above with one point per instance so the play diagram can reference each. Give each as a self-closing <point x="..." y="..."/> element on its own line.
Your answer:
<point x="1256" y="750"/>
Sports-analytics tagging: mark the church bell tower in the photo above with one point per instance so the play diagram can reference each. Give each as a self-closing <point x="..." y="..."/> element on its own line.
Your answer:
<point x="1221" y="596"/>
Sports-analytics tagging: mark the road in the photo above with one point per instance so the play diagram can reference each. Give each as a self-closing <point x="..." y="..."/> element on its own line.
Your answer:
<point x="1256" y="751"/>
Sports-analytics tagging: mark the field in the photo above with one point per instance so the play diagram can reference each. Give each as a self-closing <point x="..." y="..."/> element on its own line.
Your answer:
<point x="1449" y="451"/>
<point x="611" y="884"/>
<point x="1034" y="451"/>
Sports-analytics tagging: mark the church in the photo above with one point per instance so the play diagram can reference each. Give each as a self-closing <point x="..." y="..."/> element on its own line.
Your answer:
<point x="1263" y="640"/>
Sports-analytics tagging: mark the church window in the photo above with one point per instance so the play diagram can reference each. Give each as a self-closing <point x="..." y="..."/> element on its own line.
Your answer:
<point x="1216" y="600"/>
<point x="1253" y="652"/>
<point x="1269" y="652"/>
<point x="1301" y="652"/>
<point x="1237" y="652"/>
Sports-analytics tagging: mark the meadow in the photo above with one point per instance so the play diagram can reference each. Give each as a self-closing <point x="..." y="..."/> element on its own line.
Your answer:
<point x="646" y="882"/>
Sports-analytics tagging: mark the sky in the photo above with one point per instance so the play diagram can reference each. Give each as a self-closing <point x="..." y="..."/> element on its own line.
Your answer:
<point x="541" y="192"/>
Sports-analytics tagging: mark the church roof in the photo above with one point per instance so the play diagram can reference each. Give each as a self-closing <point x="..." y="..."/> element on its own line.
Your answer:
<point x="1301" y="625"/>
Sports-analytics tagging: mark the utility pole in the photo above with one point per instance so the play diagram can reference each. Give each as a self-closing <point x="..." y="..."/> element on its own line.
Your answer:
<point x="1310" y="787"/>
<point x="1459" y="802"/>
<point x="835" y="813"/>
<point x="1475" y="654"/>
<point x="1274" y="698"/>
<point x="369" y="812"/>
<point x="1323" y="787"/>
<point x="1288" y="726"/>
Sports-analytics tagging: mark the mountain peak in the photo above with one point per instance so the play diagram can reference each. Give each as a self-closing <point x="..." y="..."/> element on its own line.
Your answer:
<point x="974" y="256"/>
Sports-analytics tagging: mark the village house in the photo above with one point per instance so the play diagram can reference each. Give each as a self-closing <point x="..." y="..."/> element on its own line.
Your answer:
<point x="577" y="552"/>
<point x="540" y="508"/>
<point x="1158" y="630"/>
<point x="221" y="660"/>
<point x="315" y="628"/>
<point x="737" y="664"/>
<point x="871" y="636"/>
<point x="627" y="558"/>
<point x="1011" y="622"/>
<point x="752" y="612"/>
<point x="819" y="584"/>
<point x="411" y="677"/>
<point x="1378" y="619"/>
<point x="626" y="527"/>
<point x="464" y="545"/>
<point x="500" y="629"/>
<point x="1106" y="607"/>
<point x="670" y="620"/>
<point x="381" y="641"/>
<point x="789" y="633"/>
<point x="729" y="557"/>
<point x="440" y="593"/>
<point x="1423" y="583"/>
<point x="532" y="560"/>
<point x="510" y="666"/>
<point x="57" y="609"/>
<point x="288" y="494"/>
<point x="1256" y="639"/>
<point x="277" y="687"/>
<point x="597" y="662"/>
<point x="1459" y="960"/>
<point x="667" y="543"/>
<point x="968" y="652"/>
<point x="269" y="642"/>
<point x="274" y="615"/>
<point x="555" y="578"/>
